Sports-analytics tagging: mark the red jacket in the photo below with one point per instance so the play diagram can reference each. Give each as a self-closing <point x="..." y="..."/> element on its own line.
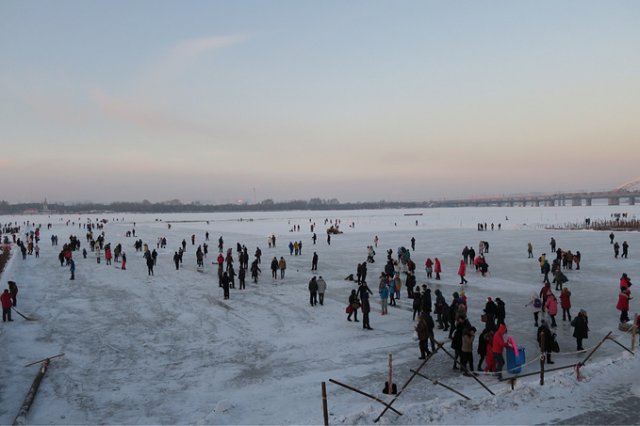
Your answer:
<point x="428" y="263"/>
<point x="565" y="299"/>
<point x="438" y="267"/>
<point x="623" y="300"/>
<point x="6" y="300"/>
<point x="462" y="269"/>
<point x="498" y="339"/>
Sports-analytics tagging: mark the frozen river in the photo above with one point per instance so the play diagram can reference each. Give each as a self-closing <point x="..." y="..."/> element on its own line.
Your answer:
<point x="168" y="349"/>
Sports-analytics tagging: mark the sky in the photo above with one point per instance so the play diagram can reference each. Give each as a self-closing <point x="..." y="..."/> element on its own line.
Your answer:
<point x="220" y="101"/>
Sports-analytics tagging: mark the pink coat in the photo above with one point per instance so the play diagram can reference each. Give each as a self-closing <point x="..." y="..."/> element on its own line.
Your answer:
<point x="551" y="305"/>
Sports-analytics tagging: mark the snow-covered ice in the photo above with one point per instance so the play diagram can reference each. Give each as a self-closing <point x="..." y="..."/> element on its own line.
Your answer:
<point x="168" y="349"/>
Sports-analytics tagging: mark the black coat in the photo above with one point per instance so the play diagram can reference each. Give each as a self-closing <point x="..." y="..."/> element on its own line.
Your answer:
<point x="581" y="327"/>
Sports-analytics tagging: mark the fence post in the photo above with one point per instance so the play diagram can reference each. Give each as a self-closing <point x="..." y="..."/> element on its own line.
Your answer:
<point x="541" y="336"/>
<point x="634" y="333"/>
<point x="325" y="410"/>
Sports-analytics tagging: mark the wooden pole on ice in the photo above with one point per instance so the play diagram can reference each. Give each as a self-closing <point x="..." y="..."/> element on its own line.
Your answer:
<point x="21" y="418"/>
<point x="325" y="411"/>
<point x="44" y="359"/>
<point x="621" y="345"/>
<point x="473" y="376"/>
<point x="634" y="333"/>
<point x="541" y="338"/>
<point x="390" y="386"/>
<point x="388" y="406"/>
<point x="437" y="382"/>
<point x="365" y="394"/>
<point x="595" y="349"/>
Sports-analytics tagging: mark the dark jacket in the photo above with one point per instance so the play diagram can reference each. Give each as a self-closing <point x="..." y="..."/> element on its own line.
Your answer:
<point x="313" y="285"/>
<point x="581" y="326"/>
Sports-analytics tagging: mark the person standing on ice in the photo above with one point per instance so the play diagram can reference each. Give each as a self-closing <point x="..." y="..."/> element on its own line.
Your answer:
<point x="465" y="253"/>
<point x="220" y="261"/>
<point x="437" y="268"/>
<point x="314" y="261"/>
<point x="255" y="270"/>
<point x="529" y="250"/>
<point x="428" y="267"/>
<point x="6" y="306"/>
<point x="623" y="304"/>
<point x="424" y="329"/>
<point x="149" y="265"/>
<point x="72" y="269"/>
<point x="580" y="326"/>
<point x="13" y="291"/>
<point x="417" y="303"/>
<point x="225" y="285"/>
<point x="282" y="265"/>
<point x="241" y="278"/>
<point x="322" y="287"/>
<point x="565" y="303"/>
<point x="551" y="307"/>
<point x="616" y="249"/>
<point x="328" y="238"/>
<point x="354" y="304"/>
<point x="546" y="268"/>
<point x="123" y="266"/>
<point x="611" y="237"/>
<point x="466" y="350"/>
<point x="462" y="269"/>
<point x="221" y="244"/>
<point x="274" y="267"/>
<point x="552" y="244"/>
<point x="176" y="260"/>
<point x="313" y="292"/>
<point x="536" y="306"/>
<point x="410" y="283"/>
<point x="413" y="244"/>
<point x="383" y="290"/>
<point x="363" y="294"/>
<point x="231" y="273"/>
<point x="497" y="346"/>
<point x="625" y="249"/>
<point x="545" y="336"/>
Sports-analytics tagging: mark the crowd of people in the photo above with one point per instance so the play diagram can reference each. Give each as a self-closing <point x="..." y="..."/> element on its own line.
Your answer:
<point x="451" y="316"/>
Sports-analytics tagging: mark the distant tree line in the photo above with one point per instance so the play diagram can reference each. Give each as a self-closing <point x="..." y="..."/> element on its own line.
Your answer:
<point x="175" y="206"/>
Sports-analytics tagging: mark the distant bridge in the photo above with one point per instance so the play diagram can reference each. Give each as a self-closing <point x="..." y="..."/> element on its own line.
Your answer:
<point x="626" y="193"/>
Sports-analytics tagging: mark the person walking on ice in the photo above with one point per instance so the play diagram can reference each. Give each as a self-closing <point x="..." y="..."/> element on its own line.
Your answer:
<point x="462" y="271"/>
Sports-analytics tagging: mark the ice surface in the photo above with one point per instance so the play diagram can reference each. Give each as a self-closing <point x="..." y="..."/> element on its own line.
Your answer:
<point x="168" y="349"/>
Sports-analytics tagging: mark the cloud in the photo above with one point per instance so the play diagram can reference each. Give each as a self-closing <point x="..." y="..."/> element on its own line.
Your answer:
<point x="182" y="55"/>
<point x="147" y="105"/>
